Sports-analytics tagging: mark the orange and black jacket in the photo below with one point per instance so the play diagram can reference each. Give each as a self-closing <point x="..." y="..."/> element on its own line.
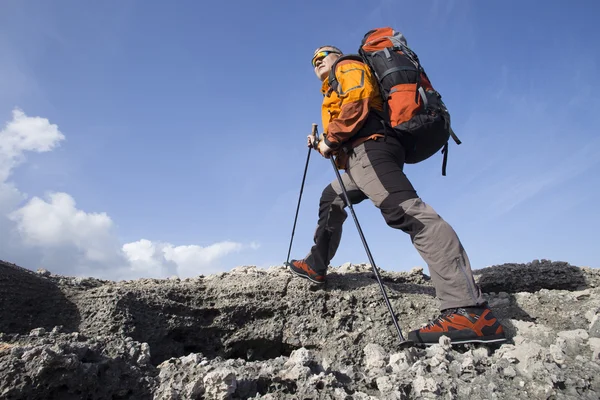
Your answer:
<point x="351" y="114"/>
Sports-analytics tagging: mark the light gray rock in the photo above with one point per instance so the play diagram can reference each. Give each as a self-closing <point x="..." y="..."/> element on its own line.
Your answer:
<point x="219" y="384"/>
<point x="594" y="344"/>
<point x="426" y="387"/>
<point x="181" y="378"/>
<point x="376" y="357"/>
<point x="400" y="362"/>
<point x="570" y="342"/>
<point x="37" y="332"/>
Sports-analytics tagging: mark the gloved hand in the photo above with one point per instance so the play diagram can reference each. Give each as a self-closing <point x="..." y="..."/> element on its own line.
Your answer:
<point x="321" y="146"/>
<point x="324" y="149"/>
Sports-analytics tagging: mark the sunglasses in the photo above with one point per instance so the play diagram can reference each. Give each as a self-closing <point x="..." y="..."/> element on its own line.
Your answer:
<point x="321" y="55"/>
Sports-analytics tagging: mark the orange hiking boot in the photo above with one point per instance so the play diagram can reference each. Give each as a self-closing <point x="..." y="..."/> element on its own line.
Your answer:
<point x="461" y="325"/>
<point x="302" y="269"/>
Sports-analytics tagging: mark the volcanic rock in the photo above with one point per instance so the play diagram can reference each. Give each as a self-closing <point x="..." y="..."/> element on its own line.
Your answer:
<point x="264" y="333"/>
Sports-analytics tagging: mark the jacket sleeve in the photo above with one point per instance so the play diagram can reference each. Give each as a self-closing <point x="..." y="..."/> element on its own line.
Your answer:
<point x="355" y="90"/>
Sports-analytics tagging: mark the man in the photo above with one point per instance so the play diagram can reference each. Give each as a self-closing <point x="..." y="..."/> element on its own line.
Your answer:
<point x="353" y="132"/>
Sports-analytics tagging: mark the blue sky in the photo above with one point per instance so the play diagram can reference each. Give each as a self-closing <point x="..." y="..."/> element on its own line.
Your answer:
<point x="150" y="138"/>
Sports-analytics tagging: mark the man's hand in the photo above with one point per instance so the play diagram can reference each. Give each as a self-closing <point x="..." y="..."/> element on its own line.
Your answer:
<point x="321" y="146"/>
<point x="324" y="149"/>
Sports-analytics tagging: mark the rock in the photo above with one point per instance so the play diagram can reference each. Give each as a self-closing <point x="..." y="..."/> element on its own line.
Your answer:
<point x="180" y="378"/>
<point x="296" y="372"/>
<point x="558" y="354"/>
<point x="425" y="386"/>
<point x="594" y="344"/>
<point x="439" y="352"/>
<point x="345" y="268"/>
<point x="252" y="334"/>
<point x="400" y="362"/>
<point x="298" y="366"/>
<point x="219" y="384"/>
<point x="301" y="357"/>
<point x="594" y="329"/>
<point x="526" y="356"/>
<point x="376" y="357"/>
<point x="58" y="368"/>
<point x="31" y="300"/>
<point x="532" y="332"/>
<point x="144" y="354"/>
<point x="513" y="278"/>
<point x="570" y="342"/>
<point x="510" y="372"/>
<point x="385" y="384"/>
<point x="37" y="332"/>
<point x="348" y="267"/>
<point x="416" y="271"/>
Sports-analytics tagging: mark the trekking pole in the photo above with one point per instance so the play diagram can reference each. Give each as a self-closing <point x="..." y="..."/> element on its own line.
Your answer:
<point x="314" y="132"/>
<point x="403" y="341"/>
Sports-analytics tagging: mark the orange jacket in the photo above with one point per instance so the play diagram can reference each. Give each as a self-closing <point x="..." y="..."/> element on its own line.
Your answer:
<point x="345" y="111"/>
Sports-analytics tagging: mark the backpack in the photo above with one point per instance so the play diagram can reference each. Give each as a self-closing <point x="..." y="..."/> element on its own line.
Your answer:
<point x="415" y="112"/>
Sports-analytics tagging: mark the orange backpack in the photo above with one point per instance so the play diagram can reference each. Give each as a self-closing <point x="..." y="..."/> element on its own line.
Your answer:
<point x="415" y="111"/>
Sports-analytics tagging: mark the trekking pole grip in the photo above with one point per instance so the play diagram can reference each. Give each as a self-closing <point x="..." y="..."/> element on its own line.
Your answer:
<point x="315" y="133"/>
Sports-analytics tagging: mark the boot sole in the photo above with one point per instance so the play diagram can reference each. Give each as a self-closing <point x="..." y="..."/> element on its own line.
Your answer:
<point x="467" y="341"/>
<point x="304" y="276"/>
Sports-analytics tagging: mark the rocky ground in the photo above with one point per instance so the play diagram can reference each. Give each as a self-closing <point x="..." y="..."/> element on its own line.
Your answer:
<point x="254" y="333"/>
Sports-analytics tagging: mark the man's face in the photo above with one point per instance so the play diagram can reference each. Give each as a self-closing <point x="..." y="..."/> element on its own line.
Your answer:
<point x="323" y="61"/>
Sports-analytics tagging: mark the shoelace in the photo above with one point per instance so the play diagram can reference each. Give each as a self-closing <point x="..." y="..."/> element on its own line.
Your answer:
<point x="443" y="315"/>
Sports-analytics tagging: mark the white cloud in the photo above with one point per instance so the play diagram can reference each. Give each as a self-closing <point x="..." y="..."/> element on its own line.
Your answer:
<point x="57" y="223"/>
<point x="148" y="258"/>
<point x="165" y="258"/>
<point x="22" y="134"/>
<point x="70" y="241"/>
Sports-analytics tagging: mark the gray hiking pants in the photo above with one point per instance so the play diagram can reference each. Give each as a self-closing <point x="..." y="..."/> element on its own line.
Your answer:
<point x="375" y="171"/>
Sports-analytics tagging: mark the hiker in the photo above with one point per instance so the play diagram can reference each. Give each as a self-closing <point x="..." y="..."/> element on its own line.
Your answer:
<point x="373" y="162"/>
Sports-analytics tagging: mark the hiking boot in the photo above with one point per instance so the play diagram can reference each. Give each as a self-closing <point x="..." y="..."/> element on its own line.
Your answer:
<point x="461" y="325"/>
<point x="302" y="269"/>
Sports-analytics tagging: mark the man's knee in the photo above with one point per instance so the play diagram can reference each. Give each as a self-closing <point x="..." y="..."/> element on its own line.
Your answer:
<point x="329" y="195"/>
<point x="330" y="198"/>
<point x="331" y="209"/>
<point x="396" y="210"/>
<point x="331" y="202"/>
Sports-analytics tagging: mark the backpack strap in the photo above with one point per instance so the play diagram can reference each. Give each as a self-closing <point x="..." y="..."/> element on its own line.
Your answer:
<point x="333" y="82"/>
<point x="446" y="147"/>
